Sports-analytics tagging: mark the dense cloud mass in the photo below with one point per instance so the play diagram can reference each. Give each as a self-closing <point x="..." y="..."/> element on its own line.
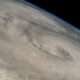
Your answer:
<point x="35" y="45"/>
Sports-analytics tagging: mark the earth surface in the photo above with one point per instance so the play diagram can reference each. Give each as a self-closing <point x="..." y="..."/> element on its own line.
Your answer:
<point x="35" y="45"/>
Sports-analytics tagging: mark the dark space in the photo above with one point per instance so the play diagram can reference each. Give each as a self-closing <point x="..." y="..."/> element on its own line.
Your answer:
<point x="66" y="10"/>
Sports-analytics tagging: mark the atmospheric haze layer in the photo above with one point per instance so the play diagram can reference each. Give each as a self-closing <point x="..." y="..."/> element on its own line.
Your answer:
<point x="35" y="45"/>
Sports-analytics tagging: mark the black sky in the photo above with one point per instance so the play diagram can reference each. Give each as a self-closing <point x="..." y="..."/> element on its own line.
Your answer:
<point x="68" y="11"/>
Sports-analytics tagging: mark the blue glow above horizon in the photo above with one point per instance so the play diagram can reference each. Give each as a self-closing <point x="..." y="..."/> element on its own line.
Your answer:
<point x="40" y="8"/>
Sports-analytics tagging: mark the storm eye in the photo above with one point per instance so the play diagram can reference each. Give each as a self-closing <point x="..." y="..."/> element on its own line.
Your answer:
<point x="64" y="54"/>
